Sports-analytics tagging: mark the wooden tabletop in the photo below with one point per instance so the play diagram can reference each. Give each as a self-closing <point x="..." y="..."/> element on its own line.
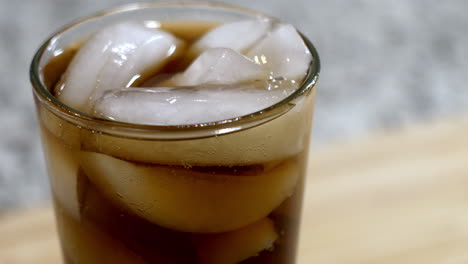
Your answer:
<point x="396" y="198"/>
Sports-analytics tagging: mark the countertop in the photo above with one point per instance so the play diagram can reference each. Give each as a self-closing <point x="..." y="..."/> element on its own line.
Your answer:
<point x="385" y="66"/>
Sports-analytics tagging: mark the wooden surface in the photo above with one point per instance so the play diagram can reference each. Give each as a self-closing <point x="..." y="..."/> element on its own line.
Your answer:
<point x="395" y="198"/>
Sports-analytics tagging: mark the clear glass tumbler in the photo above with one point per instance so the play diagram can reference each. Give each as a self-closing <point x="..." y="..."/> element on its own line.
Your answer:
<point x="215" y="193"/>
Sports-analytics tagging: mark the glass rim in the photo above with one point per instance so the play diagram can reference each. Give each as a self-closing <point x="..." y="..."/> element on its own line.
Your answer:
<point x="166" y="132"/>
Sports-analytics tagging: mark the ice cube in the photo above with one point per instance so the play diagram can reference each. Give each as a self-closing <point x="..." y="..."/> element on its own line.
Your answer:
<point x="283" y="52"/>
<point x="220" y="66"/>
<point x="281" y="138"/>
<point x="184" y="105"/>
<point x="239" y="36"/>
<point x="114" y="57"/>
<point x="189" y="200"/>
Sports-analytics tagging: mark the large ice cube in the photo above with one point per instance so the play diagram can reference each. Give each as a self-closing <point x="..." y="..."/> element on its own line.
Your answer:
<point x="220" y="66"/>
<point x="114" y="57"/>
<point x="283" y="52"/>
<point x="239" y="36"/>
<point x="191" y="200"/>
<point x="278" y="139"/>
<point x="184" y="105"/>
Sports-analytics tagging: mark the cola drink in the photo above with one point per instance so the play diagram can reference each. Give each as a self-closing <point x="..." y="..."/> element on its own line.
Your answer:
<point x="199" y="157"/>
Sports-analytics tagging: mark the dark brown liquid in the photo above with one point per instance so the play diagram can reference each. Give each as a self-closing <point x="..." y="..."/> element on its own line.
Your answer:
<point x="101" y="230"/>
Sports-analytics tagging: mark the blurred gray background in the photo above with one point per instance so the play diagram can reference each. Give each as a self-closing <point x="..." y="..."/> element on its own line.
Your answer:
<point x="385" y="65"/>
